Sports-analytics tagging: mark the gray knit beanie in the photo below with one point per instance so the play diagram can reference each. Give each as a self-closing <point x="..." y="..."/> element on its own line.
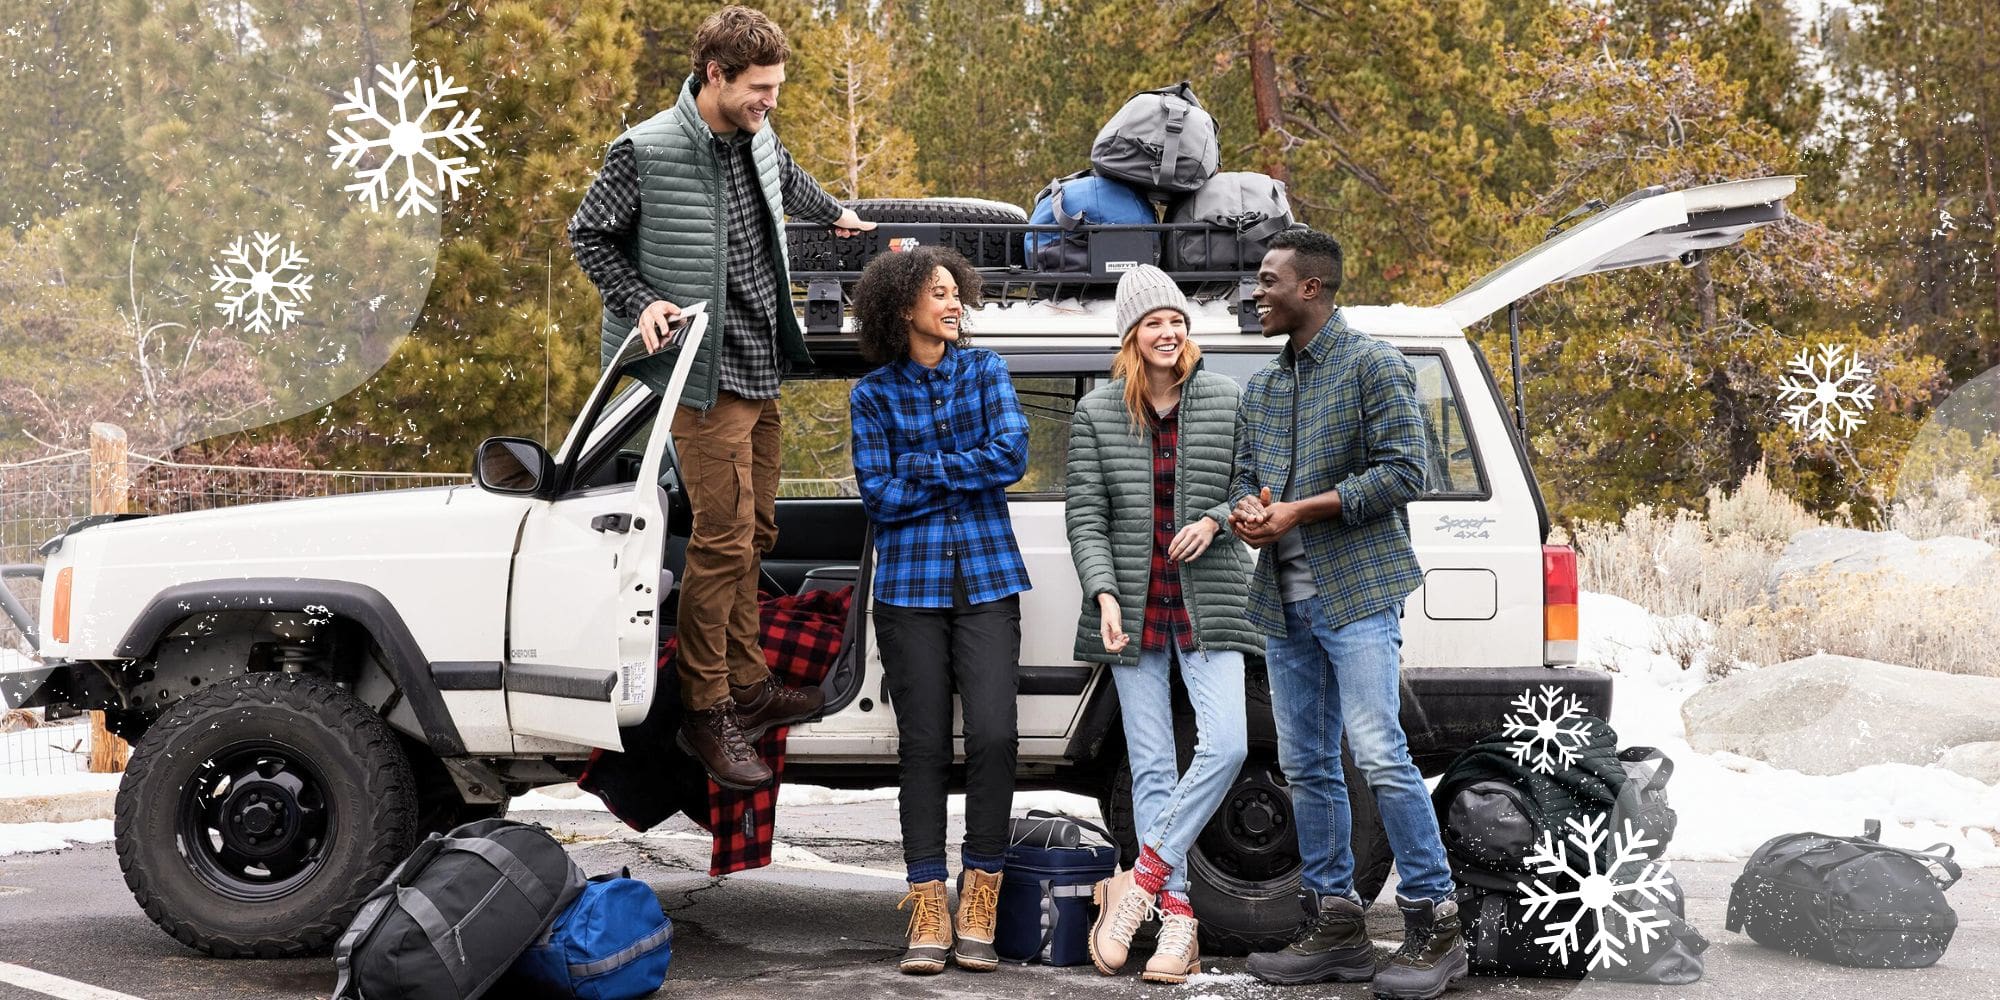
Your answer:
<point x="1144" y="289"/>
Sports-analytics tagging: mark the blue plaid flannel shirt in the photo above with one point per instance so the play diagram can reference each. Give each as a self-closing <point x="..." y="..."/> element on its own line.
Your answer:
<point x="934" y="451"/>
<point x="1343" y="415"/>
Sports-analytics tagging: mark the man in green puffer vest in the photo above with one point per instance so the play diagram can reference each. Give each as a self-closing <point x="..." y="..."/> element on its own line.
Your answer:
<point x="690" y="207"/>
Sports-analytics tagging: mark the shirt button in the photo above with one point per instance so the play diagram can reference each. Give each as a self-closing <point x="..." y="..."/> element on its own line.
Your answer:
<point x="937" y="402"/>
<point x="949" y="553"/>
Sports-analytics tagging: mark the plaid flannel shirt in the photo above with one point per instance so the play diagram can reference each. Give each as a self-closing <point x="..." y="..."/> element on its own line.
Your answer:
<point x="750" y="363"/>
<point x="934" y="452"/>
<point x="1166" y="614"/>
<point x="1342" y="415"/>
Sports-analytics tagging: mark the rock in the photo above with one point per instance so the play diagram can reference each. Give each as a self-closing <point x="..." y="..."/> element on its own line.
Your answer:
<point x="1978" y="761"/>
<point x="1830" y="714"/>
<point x="1944" y="561"/>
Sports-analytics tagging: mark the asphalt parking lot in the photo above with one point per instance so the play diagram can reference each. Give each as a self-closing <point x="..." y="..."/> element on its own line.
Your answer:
<point x="822" y="922"/>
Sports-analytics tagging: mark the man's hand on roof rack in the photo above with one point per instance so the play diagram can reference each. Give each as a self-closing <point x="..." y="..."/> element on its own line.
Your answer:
<point x="850" y="224"/>
<point x="656" y="324"/>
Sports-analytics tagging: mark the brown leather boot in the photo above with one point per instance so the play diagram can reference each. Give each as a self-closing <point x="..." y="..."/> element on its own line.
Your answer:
<point x="714" y="738"/>
<point x="763" y="707"/>
<point x="978" y="912"/>
<point x="930" y="929"/>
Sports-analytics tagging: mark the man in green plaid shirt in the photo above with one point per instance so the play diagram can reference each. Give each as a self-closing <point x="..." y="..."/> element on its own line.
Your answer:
<point x="1332" y="448"/>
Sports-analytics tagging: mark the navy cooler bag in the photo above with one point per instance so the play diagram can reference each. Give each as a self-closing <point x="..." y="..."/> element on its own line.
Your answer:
<point x="1044" y="912"/>
<point x="613" y="943"/>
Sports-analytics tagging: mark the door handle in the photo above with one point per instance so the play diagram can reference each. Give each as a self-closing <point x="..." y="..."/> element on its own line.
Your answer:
<point x="619" y="523"/>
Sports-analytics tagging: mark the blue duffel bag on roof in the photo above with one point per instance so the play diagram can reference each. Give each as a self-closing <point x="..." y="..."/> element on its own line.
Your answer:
<point x="1082" y="199"/>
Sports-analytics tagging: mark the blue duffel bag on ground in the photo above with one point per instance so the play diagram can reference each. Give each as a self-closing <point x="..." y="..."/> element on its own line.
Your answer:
<point x="613" y="943"/>
<point x="1083" y="199"/>
<point x="1044" y="912"/>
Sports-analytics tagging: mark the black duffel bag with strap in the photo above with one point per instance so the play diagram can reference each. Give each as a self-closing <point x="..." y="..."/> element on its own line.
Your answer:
<point x="451" y="919"/>
<point x="1848" y="900"/>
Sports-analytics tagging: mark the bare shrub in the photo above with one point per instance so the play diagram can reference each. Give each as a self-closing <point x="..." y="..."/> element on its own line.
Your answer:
<point x="1946" y="505"/>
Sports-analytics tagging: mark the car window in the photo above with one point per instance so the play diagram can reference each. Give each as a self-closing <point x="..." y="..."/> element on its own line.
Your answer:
<point x="617" y="442"/>
<point x="1049" y="403"/>
<point x="1454" y="465"/>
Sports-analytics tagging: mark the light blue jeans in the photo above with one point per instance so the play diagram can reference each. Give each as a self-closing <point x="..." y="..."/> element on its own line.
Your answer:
<point x="1170" y="808"/>
<point x="1326" y="679"/>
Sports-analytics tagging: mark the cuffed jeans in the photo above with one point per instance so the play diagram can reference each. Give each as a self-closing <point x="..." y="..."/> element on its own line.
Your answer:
<point x="1324" y="680"/>
<point x="1170" y="808"/>
<point x="928" y="653"/>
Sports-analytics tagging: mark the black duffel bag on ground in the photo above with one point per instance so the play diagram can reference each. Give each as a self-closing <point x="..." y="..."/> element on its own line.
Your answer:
<point x="451" y="919"/>
<point x="1501" y="939"/>
<point x="1848" y="900"/>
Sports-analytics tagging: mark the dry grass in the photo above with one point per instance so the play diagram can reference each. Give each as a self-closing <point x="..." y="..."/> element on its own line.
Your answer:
<point x="1718" y="568"/>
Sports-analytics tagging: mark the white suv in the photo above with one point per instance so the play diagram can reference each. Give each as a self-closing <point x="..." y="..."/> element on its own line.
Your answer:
<point x="311" y="684"/>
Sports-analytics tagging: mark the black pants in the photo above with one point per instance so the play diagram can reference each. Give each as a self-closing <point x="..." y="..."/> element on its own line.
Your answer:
<point x="928" y="653"/>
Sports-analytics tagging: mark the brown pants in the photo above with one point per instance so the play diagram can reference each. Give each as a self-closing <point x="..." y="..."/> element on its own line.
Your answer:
<point x="729" y="466"/>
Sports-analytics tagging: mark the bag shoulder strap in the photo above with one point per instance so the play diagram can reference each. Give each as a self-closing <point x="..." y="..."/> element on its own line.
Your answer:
<point x="1078" y="820"/>
<point x="538" y="893"/>
<point x="1170" y="146"/>
<point x="1650" y="755"/>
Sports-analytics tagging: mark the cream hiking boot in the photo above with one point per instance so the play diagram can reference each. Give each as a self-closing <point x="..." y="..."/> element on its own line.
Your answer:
<point x="1121" y="907"/>
<point x="930" y="929"/>
<point x="1179" y="953"/>
<point x="978" y="911"/>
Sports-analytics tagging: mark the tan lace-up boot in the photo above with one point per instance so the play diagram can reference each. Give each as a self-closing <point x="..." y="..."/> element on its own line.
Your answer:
<point x="1179" y="953"/>
<point x="930" y="929"/>
<point x="1121" y="907"/>
<point x="978" y="911"/>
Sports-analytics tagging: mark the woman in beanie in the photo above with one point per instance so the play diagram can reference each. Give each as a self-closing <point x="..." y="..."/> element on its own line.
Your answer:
<point x="1148" y="514"/>
<point x="938" y="438"/>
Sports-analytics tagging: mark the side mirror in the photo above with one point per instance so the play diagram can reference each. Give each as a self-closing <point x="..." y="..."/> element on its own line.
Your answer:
<point x="515" y="466"/>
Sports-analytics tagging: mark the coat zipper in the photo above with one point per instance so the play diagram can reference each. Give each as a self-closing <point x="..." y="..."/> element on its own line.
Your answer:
<point x="1187" y="592"/>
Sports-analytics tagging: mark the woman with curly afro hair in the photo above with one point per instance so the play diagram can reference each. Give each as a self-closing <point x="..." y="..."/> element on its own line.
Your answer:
<point x="938" y="438"/>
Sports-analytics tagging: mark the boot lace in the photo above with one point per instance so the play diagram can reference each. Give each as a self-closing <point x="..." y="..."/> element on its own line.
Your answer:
<point x="1416" y="940"/>
<point x="979" y="906"/>
<point x="1177" y="935"/>
<point x="927" y="915"/>
<point x="1133" y="909"/>
<point x="729" y="736"/>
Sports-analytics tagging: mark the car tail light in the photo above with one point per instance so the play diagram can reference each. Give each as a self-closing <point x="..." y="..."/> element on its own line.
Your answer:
<point x="1559" y="627"/>
<point x="59" y="623"/>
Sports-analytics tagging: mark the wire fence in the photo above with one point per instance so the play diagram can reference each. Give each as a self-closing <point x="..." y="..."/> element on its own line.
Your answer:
<point x="30" y="747"/>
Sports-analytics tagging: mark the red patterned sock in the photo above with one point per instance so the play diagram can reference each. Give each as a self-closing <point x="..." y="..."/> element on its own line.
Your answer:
<point x="1174" y="902"/>
<point x="1151" y="872"/>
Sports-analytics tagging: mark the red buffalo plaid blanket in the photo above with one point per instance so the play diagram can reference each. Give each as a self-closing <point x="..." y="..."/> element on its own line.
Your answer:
<point x="801" y="635"/>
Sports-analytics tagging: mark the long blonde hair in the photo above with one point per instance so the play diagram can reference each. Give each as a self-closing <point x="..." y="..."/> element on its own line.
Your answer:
<point x="1131" y="367"/>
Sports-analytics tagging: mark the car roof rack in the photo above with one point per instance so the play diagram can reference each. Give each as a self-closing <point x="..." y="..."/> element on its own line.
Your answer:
<point x="1023" y="262"/>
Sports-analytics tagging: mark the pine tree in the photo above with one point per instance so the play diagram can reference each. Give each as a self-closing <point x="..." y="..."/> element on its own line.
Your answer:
<point x="840" y="92"/>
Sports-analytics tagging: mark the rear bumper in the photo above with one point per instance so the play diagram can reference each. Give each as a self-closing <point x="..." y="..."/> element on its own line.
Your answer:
<point x="1451" y="708"/>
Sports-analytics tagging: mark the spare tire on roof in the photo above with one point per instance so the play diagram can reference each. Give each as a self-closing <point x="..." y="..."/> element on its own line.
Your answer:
<point x="962" y="226"/>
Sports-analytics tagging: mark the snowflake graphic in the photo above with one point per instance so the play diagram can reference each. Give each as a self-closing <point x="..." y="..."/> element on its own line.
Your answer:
<point x="407" y="138"/>
<point x="1621" y="922"/>
<point x="1824" y="402"/>
<point x="257" y="293"/>
<point x="1544" y="743"/>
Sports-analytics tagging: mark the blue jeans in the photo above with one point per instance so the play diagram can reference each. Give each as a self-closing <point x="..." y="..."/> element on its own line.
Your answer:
<point x="1169" y="808"/>
<point x="1324" y="679"/>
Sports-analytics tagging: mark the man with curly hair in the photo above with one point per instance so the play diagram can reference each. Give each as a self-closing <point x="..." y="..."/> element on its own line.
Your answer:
<point x="690" y="207"/>
<point x="938" y="438"/>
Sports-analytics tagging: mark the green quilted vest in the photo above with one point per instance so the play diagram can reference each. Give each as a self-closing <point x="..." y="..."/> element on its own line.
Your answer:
<point x="680" y="243"/>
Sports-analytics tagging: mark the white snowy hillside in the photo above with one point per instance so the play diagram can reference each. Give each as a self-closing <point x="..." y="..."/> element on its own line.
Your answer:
<point x="1730" y="804"/>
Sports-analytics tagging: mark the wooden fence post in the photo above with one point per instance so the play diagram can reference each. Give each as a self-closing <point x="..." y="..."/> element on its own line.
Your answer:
<point x="110" y="487"/>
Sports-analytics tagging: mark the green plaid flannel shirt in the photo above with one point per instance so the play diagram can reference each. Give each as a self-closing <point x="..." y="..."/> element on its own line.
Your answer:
<point x="1358" y="429"/>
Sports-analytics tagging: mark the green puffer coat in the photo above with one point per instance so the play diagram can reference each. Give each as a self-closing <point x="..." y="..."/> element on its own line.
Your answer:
<point x="1110" y="516"/>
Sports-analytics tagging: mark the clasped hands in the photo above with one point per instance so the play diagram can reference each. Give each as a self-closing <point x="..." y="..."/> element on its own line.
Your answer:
<point x="1259" y="521"/>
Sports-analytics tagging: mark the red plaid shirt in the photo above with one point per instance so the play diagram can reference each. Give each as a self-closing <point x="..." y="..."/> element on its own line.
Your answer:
<point x="1166" y="615"/>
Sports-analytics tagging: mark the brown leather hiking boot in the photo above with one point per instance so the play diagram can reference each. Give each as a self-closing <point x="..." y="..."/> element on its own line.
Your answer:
<point x="763" y="707"/>
<point x="1178" y="954"/>
<point x="930" y="929"/>
<point x="713" y="738"/>
<point x="1433" y="953"/>
<point x="978" y="910"/>
<point x="1121" y="907"/>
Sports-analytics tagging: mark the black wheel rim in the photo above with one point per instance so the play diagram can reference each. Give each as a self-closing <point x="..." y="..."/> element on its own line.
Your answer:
<point x="255" y="823"/>
<point x="1252" y="838"/>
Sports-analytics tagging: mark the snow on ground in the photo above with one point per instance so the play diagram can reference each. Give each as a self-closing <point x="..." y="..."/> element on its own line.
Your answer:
<point x="25" y="838"/>
<point x="1729" y="805"/>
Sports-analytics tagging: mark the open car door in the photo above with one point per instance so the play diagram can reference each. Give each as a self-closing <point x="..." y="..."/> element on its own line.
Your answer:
<point x="582" y="630"/>
<point x="1649" y="226"/>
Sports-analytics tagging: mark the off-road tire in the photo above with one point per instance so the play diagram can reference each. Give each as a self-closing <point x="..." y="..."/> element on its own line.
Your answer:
<point x="821" y="250"/>
<point x="368" y="806"/>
